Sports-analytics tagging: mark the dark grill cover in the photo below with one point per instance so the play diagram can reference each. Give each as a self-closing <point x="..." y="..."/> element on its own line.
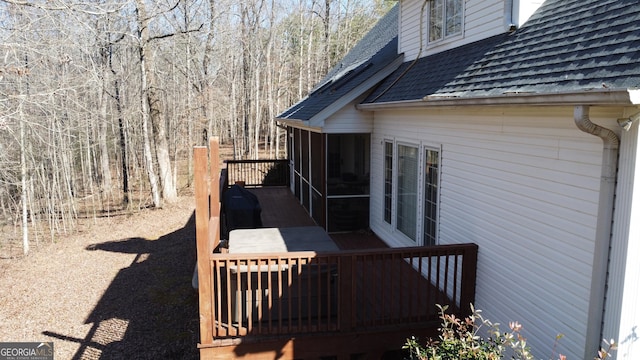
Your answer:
<point x="242" y="209"/>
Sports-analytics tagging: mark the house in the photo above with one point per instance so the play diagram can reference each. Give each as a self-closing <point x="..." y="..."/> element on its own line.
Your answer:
<point x="329" y="159"/>
<point x="512" y="124"/>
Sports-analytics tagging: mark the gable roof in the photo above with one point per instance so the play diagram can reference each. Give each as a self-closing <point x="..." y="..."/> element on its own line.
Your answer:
<point x="368" y="62"/>
<point x="567" y="46"/>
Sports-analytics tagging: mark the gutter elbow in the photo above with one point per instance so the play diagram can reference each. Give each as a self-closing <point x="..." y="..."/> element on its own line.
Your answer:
<point x="582" y="121"/>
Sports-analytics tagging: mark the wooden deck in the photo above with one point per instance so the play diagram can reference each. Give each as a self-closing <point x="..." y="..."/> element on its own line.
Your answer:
<point x="360" y="302"/>
<point x="281" y="209"/>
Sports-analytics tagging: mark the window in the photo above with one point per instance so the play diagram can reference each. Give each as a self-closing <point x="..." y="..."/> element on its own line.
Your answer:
<point x="411" y="191"/>
<point x="445" y="19"/>
<point x="388" y="180"/>
<point x="430" y="208"/>
<point x="407" y="197"/>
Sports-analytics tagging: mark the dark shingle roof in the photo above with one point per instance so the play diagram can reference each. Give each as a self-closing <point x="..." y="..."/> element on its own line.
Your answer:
<point x="566" y="46"/>
<point x="377" y="49"/>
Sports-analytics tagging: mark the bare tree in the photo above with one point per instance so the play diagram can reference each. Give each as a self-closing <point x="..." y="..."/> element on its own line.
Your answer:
<point x="102" y="100"/>
<point x="152" y="107"/>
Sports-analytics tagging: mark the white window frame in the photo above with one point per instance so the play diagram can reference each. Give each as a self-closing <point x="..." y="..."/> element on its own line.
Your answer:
<point x="423" y="199"/>
<point x="384" y="182"/>
<point x="421" y="180"/>
<point x="443" y="21"/>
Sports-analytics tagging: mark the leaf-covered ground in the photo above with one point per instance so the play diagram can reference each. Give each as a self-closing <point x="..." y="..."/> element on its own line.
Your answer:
<point x="119" y="289"/>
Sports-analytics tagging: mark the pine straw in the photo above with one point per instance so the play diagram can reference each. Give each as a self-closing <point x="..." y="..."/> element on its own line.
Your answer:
<point x="120" y="289"/>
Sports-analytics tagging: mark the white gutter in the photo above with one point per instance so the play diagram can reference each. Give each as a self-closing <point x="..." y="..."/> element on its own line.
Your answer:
<point x="299" y="124"/>
<point x="600" y="268"/>
<point x="592" y="97"/>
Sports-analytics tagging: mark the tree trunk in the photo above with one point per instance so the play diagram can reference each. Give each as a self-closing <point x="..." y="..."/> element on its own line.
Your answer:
<point x="326" y="64"/>
<point x="154" y="106"/>
<point x="23" y="179"/>
<point x="148" y="156"/>
<point x="207" y="88"/>
<point x="105" y="170"/>
<point x="121" y="130"/>
<point x="143" y="37"/>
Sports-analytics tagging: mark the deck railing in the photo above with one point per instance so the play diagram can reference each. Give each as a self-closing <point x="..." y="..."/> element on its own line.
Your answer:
<point x="296" y="293"/>
<point x="304" y="292"/>
<point x="255" y="173"/>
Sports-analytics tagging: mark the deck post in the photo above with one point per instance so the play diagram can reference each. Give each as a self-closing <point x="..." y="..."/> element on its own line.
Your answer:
<point x="214" y="193"/>
<point x="468" y="280"/>
<point x="205" y="283"/>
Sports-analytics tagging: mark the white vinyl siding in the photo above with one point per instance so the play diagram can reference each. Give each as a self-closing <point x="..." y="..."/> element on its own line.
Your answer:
<point x="408" y="33"/>
<point x="348" y="120"/>
<point x="622" y="314"/>
<point x="481" y="19"/>
<point x="511" y="182"/>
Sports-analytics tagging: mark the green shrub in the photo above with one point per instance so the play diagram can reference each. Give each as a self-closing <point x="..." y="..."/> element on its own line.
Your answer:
<point x="461" y="339"/>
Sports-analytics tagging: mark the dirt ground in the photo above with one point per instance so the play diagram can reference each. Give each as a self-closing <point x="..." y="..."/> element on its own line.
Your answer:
<point x="120" y="289"/>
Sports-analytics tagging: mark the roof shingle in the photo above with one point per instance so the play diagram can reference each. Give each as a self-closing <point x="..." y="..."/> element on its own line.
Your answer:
<point x="567" y="45"/>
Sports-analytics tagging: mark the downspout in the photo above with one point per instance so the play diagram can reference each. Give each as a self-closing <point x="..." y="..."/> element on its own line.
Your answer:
<point x="601" y="252"/>
<point x="509" y="25"/>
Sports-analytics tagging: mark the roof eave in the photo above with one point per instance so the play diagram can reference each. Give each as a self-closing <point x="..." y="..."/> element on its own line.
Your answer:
<point x="607" y="97"/>
<point x="318" y="119"/>
<point x="316" y="122"/>
<point x="299" y="124"/>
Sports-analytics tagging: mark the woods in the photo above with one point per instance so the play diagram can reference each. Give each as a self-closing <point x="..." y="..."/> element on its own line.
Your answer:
<point x="101" y="102"/>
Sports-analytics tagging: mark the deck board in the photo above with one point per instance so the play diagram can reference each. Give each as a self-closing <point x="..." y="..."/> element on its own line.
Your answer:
<point x="281" y="209"/>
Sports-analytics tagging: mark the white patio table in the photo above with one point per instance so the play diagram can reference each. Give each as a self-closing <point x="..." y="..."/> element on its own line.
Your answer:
<point x="270" y="240"/>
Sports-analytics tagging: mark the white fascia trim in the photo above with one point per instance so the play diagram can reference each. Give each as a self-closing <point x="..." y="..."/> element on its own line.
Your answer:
<point x="318" y="119"/>
<point x="590" y="97"/>
<point x="299" y="124"/>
